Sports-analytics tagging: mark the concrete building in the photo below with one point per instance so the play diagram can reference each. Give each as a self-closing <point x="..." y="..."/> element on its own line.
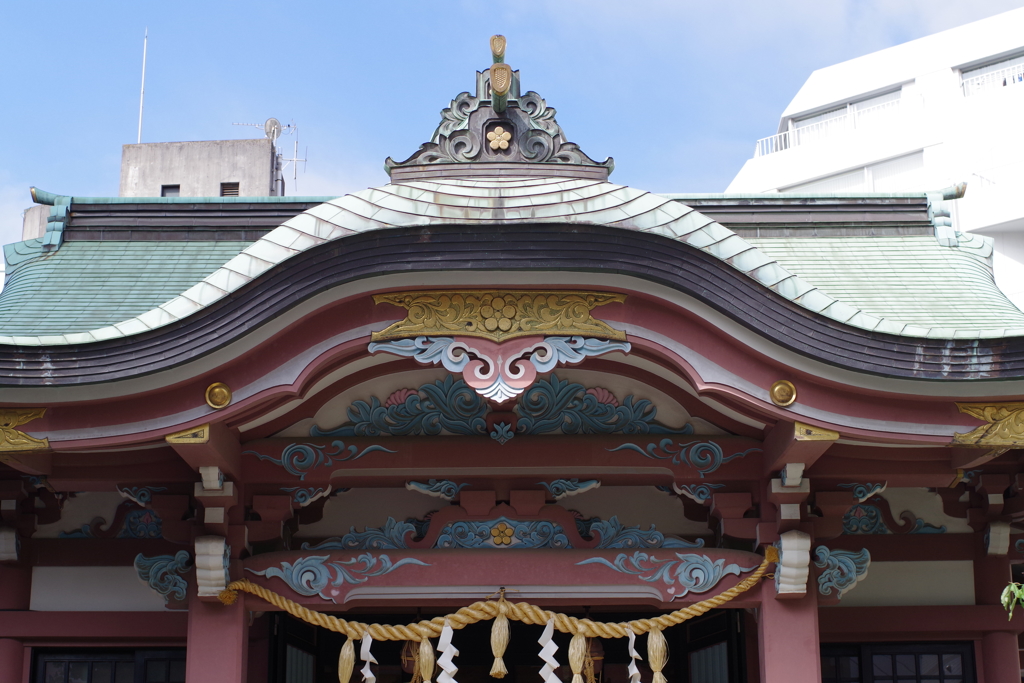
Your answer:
<point x="919" y="116"/>
<point x="212" y="168"/>
<point x="208" y="168"/>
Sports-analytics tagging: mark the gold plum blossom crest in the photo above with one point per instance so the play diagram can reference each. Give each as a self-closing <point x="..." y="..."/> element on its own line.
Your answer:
<point x="499" y="138"/>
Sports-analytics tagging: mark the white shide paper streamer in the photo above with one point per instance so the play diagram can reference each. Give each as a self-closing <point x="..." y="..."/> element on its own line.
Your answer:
<point x="634" y="671"/>
<point x="364" y="654"/>
<point x="448" y="654"/>
<point x="547" y="654"/>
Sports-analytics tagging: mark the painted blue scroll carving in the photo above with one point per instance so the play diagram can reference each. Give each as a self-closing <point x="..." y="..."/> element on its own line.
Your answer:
<point x="140" y="494"/>
<point x="700" y="493"/>
<point x="299" y="458"/>
<point x="448" y="404"/>
<point x="693" y="573"/>
<point x="438" y="488"/>
<point x="864" y="491"/>
<point x="843" y="569"/>
<point x="503" y="533"/>
<point x="704" y="456"/>
<point x="312" y="575"/>
<point x="562" y="488"/>
<point x="502" y="432"/>
<point x="551" y="405"/>
<point x="614" y="534"/>
<point x="304" y="496"/>
<point x="163" y="574"/>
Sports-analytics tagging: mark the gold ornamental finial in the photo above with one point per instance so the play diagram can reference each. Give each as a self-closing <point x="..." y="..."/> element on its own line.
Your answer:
<point x="498" y="48"/>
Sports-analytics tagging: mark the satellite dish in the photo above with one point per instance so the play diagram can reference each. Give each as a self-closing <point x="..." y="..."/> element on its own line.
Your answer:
<point x="273" y="129"/>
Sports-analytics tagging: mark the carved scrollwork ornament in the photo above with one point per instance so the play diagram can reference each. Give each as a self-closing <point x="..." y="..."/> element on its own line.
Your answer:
<point x="11" y="438"/>
<point x="1005" y="424"/>
<point x="498" y="315"/>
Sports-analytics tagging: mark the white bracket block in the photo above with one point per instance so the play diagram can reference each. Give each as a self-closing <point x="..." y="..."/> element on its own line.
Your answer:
<point x="212" y="556"/>
<point x="794" y="564"/>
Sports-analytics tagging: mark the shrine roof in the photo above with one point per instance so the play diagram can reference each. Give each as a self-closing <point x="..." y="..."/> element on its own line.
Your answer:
<point x="872" y="262"/>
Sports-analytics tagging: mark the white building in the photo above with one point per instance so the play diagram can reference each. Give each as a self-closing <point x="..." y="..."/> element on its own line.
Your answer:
<point x="944" y="109"/>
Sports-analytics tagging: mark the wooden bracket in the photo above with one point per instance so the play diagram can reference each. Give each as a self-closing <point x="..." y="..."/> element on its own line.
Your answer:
<point x="793" y="442"/>
<point x="209" y="445"/>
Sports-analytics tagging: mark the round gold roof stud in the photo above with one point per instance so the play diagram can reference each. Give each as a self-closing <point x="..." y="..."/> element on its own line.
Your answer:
<point x="783" y="393"/>
<point x="218" y="395"/>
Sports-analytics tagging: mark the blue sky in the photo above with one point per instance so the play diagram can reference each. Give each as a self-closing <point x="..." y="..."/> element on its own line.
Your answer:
<point x="676" y="91"/>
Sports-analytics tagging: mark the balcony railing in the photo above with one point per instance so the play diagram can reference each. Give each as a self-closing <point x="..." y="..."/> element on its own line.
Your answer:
<point x="1011" y="75"/>
<point x="854" y="120"/>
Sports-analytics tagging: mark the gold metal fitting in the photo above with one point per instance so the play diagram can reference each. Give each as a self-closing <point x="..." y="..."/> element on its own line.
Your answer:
<point x="498" y="48"/>
<point x="783" y="393"/>
<point x="218" y="395"/>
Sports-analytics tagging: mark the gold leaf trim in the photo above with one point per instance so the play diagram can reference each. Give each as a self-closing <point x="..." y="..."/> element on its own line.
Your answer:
<point x="200" y="434"/>
<point x="806" y="432"/>
<point x="12" y="439"/>
<point x="498" y="314"/>
<point x="1005" y="424"/>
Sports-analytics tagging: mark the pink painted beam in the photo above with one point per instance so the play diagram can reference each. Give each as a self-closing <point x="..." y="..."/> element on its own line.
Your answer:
<point x="134" y="626"/>
<point x="911" y="547"/>
<point x="847" y="624"/>
<point x="406" y="457"/>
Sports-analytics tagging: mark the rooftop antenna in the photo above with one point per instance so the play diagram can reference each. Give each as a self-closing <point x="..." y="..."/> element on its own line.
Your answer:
<point x="294" y="161"/>
<point x="142" y="95"/>
<point x="272" y="128"/>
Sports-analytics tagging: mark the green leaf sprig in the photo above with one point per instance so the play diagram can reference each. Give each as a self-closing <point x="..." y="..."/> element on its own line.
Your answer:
<point x="1012" y="595"/>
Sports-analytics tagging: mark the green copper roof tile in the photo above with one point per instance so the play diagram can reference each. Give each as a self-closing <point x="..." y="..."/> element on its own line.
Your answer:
<point x="910" y="279"/>
<point x="88" y="285"/>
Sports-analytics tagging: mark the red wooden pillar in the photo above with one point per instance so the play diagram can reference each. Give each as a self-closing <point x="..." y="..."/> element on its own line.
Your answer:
<point x="1000" y="658"/>
<point x="218" y="642"/>
<point x="15" y="589"/>
<point x="788" y="645"/>
<point x="1002" y="662"/>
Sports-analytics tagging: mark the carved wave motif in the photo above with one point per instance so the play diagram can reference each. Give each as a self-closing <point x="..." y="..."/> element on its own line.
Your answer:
<point x="875" y="517"/>
<point x="703" y="456"/>
<point x="299" y="458"/>
<point x="552" y="405"/>
<point x="691" y="572"/>
<point x="392" y="536"/>
<point x="163" y="574"/>
<point x="310" y="576"/>
<point x="130" y="521"/>
<point x="843" y="569"/>
<point x="445" y="405"/>
<point x="614" y="534"/>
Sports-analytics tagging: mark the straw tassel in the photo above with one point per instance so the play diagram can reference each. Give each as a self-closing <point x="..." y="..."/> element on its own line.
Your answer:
<point x="426" y="660"/>
<point x="499" y="641"/>
<point x="577" y="656"/>
<point x="657" y="654"/>
<point x="346" y="661"/>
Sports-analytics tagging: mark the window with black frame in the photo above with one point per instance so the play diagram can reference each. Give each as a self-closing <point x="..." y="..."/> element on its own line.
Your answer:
<point x="109" y="666"/>
<point x="898" y="663"/>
